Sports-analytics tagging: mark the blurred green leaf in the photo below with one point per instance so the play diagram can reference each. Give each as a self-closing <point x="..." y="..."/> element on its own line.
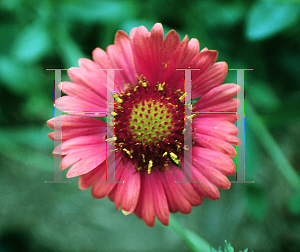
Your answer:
<point x="266" y="19"/>
<point x="101" y="11"/>
<point x="253" y="154"/>
<point x="221" y="13"/>
<point x="27" y="146"/>
<point x="31" y="43"/>
<point x="67" y="49"/>
<point x="294" y="203"/>
<point x="227" y="248"/>
<point x="257" y="202"/>
<point x="127" y="25"/>
<point x="286" y="114"/>
<point x="271" y="147"/>
<point x="265" y="97"/>
<point x="19" y="78"/>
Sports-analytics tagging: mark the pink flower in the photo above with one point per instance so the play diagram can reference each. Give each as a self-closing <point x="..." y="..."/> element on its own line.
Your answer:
<point x="149" y="124"/>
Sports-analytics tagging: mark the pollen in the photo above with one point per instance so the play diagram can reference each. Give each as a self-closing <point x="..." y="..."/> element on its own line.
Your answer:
<point x="149" y="125"/>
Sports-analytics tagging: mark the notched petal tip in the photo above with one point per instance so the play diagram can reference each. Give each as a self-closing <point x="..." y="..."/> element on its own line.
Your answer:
<point x="50" y="123"/>
<point x="120" y="37"/>
<point x="157" y="28"/>
<point x="51" y="135"/>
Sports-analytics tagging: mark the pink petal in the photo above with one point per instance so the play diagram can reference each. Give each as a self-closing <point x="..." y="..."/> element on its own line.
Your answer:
<point x="82" y="93"/>
<point x="97" y="174"/>
<point x="159" y="198"/>
<point x="121" y="56"/>
<point x="222" y="129"/>
<point x="87" y="163"/>
<point x="186" y="189"/>
<point x="101" y="59"/>
<point x="142" y="53"/>
<point x="75" y="121"/>
<point x="145" y="204"/>
<point x="215" y="143"/>
<point x="223" y="116"/>
<point x="101" y="190"/>
<point x="81" y="142"/>
<point x="156" y="43"/>
<point x="88" y="179"/>
<point x="214" y="176"/>
<point x="176" y="201"/>
<point x="216" y="96"/>
<point x="212" y="77"/>
<point x="205" y="188"/>
<point x="215" y="160"/>
<point x="92" y="80"/>
<point x="132" y="189"/>
<point x="72" y="104"/>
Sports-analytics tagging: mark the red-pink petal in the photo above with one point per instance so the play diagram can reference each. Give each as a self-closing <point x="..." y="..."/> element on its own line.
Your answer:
<point x="101" y="190"/>
<point x="145" y="206"/>
<point x="72" y="104"/>
<point x="159" y="198"/>
<point x="131" y="189"/>
<point x="120" y="55"/>
<point x="212" y="77"/>
<point x="219" y="128"/>
<point x="216" y="96"/>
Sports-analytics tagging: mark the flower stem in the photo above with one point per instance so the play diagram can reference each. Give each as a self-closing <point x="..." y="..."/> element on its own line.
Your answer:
<point x="194" y="241"/>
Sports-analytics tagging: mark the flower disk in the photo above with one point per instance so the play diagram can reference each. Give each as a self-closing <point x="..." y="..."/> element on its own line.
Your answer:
<point x="149" y="124"/>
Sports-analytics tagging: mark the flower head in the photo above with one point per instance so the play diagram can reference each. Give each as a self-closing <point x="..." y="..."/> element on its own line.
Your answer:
<point x="149" y="124"/>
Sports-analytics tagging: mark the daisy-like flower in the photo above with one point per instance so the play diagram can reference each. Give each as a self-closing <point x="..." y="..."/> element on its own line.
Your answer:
<point x="149" y="124"/>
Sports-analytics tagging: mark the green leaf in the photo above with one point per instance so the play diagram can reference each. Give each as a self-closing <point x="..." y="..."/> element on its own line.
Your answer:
<point x="14" y="75"/>
<point x="272" y="148"/>
<point x="31" y="43"/>
<point x="294" y="203"/>
<point x="266" y="19"/>
<point x="227" y="247"/>
<point x="102" y="11"/>
<point x="257" y="203"/>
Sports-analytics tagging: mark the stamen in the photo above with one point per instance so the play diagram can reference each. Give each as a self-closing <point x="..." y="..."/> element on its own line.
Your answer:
<point x="149" y="166"/>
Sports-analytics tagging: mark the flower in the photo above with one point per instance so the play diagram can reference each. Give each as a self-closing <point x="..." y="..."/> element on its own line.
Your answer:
<point x="149" y="124"/>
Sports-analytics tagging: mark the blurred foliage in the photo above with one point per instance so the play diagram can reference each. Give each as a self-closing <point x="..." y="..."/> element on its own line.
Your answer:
<point x="263" y="35"/>
<point x="227" y="248"/>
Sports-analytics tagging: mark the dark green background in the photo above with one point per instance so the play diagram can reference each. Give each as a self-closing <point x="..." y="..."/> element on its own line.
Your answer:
<point x="34" y="35"/>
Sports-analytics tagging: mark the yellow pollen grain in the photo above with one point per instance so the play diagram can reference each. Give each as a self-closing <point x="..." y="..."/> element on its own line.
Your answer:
<point x="149" y="166"/>
<point x="161" y="86"/>
<point x="166" y="153"/>
<point x="174" y="157"/>
<point x="128" y="152"/>
<point x="111" y="139"/>
<point x="182" y="97"/>
<point x="117" y="98"/>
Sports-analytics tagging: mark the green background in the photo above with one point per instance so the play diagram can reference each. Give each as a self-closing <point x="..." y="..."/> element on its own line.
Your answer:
<point x="263" y="35"/>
